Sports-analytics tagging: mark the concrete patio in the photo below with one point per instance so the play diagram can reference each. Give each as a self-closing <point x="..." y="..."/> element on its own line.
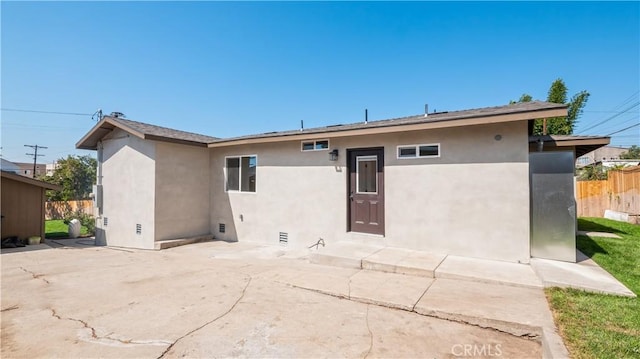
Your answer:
<point x="250" y="300"/>
<point x="217" y="299"/>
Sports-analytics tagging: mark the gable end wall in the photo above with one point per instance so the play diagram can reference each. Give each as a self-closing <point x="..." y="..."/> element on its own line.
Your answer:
<point x="128" y="180"/>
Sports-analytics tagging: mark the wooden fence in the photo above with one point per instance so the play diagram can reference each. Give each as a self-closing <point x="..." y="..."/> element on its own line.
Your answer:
<point x="620" y="192"/>
<point x="57" y="209"/>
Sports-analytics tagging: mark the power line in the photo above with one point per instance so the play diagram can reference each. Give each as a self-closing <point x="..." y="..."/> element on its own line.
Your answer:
<point x="598" y="111"/>
<point x="26" y="126"/>
<point x="611" y="117"/>
<point x="49" y="112"/>
<point x="614" y="126"/>
<point x="615" y="110"/>
<point x="35" y="156"/>
<point x="624" y="129"/>
<point x="627" y="100"/>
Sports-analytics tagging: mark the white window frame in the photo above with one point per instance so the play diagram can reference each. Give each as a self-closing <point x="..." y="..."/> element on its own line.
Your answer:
<point x="314" y="145"/>
<point x="239" y="190"/>
<point x="365" y="158"/>
<point x="417" y="148"/>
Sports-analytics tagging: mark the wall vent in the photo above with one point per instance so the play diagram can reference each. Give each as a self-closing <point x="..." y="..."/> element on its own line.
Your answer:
<point x="284" y="238"/>
<point x="221" y="228"/>
<point x="138" y="228"/>
<point x="105" y="221"/>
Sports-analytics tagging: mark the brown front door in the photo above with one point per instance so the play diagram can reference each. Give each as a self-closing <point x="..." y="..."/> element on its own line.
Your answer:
<point x="366" y="190"/>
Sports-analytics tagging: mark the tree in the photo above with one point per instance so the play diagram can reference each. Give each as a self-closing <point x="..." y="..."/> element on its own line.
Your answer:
<point x="633" y="153"/>
<point x="559" y="125"/>
<point x="76" y="175"/>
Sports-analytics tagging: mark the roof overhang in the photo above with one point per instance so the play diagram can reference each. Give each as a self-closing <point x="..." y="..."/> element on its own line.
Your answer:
<point x="30" y="181"/>
<point x="108" y="124"/>
<point x="372" y="128"/>
<point x="101" y="129"/>
<point x="580" y="144"/>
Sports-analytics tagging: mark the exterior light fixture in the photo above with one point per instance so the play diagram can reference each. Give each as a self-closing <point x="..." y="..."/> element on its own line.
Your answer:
<point x="333" y="155"/>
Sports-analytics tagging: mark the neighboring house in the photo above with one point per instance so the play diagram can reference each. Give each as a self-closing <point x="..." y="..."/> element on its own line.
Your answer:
<point x="51" y="168"/>
<point x="22" y="209"/>
<point x="454" y="183"/>
<point x="26" y="169"/>
<point x="617" y="163"/>
<point x="9" y="166"/>
<point x="603" y="154"/>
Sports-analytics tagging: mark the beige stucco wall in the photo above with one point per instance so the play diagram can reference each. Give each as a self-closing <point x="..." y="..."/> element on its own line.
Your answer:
<point x="472" y="201"/>
<point x="128" y="179"/>
<point x="297" y="193"/>
<point x="182" y="191"/>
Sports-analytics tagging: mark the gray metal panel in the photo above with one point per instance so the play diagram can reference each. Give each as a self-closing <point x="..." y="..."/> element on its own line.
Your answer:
<point x="553" y="209"/>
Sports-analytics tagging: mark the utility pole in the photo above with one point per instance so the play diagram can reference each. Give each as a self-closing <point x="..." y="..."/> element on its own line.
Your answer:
<point x="35" y="156"/>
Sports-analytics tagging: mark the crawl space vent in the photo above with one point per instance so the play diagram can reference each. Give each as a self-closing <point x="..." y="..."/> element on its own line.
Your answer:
<point x="284" y="238"/>
<point x="138" y="228"/>
<point x="221" y="228"/>
<point x="105" y="221"/>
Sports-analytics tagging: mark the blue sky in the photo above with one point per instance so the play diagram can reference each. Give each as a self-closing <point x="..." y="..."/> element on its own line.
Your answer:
<point x="229" y="69"/>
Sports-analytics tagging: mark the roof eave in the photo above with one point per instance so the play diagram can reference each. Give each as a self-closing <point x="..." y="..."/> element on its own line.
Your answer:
<point x="391" y="127"/>
<point x="31" y="181"/>
<point x="90" y="140"/>
<point x="174" y="140"/>
<point x="573" y="141"/>
<point x="580" y="145"/>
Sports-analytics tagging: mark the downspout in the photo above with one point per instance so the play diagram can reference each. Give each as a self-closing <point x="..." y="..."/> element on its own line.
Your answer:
<point x="97" y="197"/>
<point x="99" y="169"/>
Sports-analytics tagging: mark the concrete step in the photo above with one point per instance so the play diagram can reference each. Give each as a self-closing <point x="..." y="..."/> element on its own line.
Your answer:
<point x="488" y="271"/>
<point x="404" y="261"/>
<point x="540" y="273"/>
<point x="585" y="275"/>
<point x="344" y="254"/>
<point x="170" y="243"/>
<point x="377" y="258"/>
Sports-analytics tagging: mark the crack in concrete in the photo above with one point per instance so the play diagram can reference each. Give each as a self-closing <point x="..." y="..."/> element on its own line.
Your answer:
<point x="10" y="308"/>
<point x="35" y="276"/>
<point x="209" y="322"/>
<point x="349" y="283"/>
<point x="85" y="324"/>
<point x="108" y="337"/>
<point x="413" y="309"/>
<point x="370" y="334"/>
<point x="529" y="336"/>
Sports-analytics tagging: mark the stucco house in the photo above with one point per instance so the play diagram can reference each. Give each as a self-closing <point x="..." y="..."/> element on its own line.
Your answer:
<point x="452" y="182"/>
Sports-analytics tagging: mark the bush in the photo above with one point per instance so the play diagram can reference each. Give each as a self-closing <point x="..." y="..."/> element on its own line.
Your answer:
<point x="85" y="219"/>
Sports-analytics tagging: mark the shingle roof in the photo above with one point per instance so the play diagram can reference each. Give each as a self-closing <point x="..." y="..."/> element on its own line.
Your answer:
<point x="522" y="107"/>
<point x="141" y="130"/>
<point x="164" y="132"/>
<point x="525" y="110"/>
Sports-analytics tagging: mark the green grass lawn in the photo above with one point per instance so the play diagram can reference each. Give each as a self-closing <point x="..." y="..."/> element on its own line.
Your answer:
<point x="598" y="325"/>
<point x="56" y="228"/>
